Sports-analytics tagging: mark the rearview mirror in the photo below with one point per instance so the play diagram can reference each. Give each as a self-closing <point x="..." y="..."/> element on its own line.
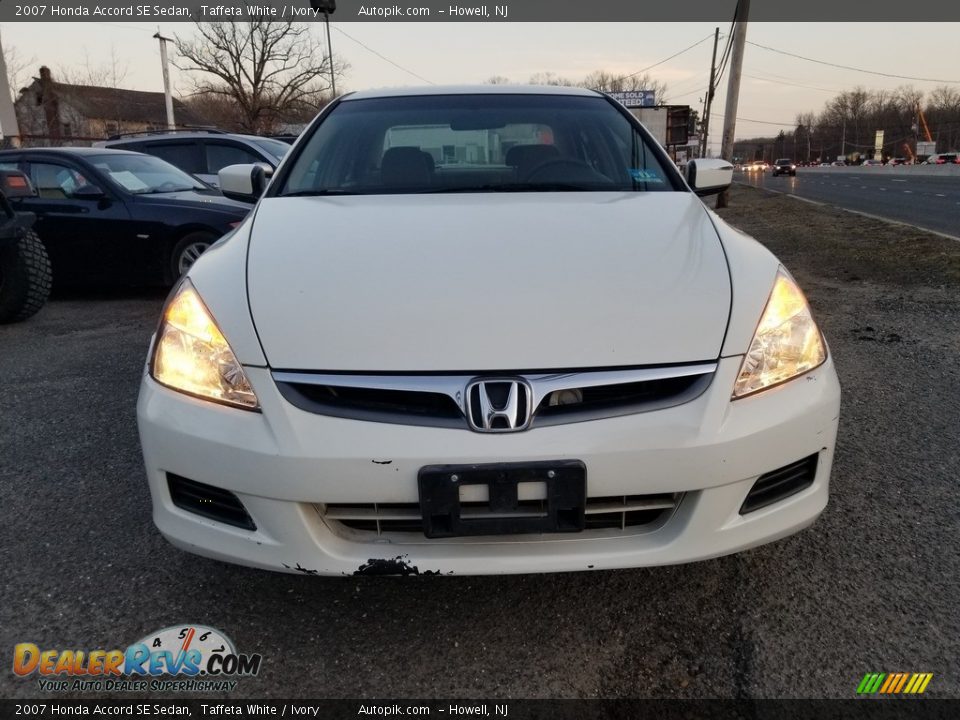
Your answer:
<point x="245" y="183"/>
<point x="708" y="176"/>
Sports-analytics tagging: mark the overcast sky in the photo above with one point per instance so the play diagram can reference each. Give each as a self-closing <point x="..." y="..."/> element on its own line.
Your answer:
<point x="775" y="87"/>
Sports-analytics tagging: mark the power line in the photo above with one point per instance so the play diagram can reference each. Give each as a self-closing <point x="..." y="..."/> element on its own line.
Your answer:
<point x="848" y="67"/>
<point x="687" y="49"/>
<point x="382" y="57"/>
<point x="674" y="97"/>
<point x="784" y="82"/>
<point x="762" y="122"/>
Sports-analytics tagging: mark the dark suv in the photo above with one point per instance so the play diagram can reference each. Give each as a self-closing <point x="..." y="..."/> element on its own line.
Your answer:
<point x="784" y="166"/>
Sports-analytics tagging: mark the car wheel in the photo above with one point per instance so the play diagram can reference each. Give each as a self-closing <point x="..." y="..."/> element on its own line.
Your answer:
<point x="187" y="250"/>
<point x="25" y="277"/>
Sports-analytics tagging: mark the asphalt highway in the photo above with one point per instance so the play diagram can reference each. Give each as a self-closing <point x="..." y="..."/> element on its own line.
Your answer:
<point x="929" y="201"/>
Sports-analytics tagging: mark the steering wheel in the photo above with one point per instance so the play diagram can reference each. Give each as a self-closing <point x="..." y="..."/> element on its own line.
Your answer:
<point x="565" y="170"/>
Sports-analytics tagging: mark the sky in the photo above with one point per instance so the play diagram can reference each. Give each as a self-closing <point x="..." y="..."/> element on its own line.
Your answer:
<point x="774" y="87"/>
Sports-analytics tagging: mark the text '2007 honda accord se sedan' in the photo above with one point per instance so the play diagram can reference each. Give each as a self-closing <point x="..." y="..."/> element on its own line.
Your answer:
<point x="478" y="330"/>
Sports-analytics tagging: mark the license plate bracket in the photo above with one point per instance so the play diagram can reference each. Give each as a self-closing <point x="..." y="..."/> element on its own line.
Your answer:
<point x="561" y="511"/>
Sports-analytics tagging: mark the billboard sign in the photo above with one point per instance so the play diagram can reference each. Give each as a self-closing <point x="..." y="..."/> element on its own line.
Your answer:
<point x="926" y="148"/>
<point x="634" y="98"/>
<point x="878" y="146"/>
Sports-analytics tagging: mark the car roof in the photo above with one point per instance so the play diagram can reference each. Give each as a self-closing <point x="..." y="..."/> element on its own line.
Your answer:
<point x="82" y="151"/>
<point x="471" y="90"/>
<point x="143" y="137"/>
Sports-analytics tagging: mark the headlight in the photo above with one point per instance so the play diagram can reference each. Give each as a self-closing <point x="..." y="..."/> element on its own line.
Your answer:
<point x="192" y="356"/>
<point x="787" y="342"/>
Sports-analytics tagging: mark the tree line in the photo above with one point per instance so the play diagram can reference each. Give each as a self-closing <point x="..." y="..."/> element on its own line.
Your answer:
<point x="848" y="124"/>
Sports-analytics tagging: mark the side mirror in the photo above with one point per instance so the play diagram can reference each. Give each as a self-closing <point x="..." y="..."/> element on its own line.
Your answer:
<point x="707" y="176"/>
<point x="88" y="192"/>
<point x="245" y="183"/>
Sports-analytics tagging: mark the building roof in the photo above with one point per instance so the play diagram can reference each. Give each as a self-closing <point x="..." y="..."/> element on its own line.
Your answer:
<point x="471" y="90"/>
<point x="127" y="105"/>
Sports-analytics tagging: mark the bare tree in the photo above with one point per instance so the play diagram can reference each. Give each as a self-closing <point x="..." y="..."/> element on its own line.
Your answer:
<point x="110" y="74"/>
<point x="550" y="78"/>
<point x="271" y="70"/>
<point x="497" y="80"/>
<point x="19" y="69"/>
<point x="608" y="82"/>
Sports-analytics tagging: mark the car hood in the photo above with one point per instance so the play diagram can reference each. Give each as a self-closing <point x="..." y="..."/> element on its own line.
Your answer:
<point x="205" y="200"/>
<point x="477" y="282"/>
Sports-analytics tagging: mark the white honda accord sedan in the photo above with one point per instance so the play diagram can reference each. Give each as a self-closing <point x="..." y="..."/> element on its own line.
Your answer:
<point x="484" y="330"/>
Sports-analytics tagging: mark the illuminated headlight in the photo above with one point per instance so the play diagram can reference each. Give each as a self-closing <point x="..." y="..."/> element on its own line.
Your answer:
<point x="192" y="356"/>
<point x="787" y="342"/>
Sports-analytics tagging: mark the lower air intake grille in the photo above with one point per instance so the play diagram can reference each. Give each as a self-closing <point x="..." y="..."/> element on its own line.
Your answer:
<point x="778" y="484"/>
<point x="209" y="501"/>
<point x="615" y="512"/>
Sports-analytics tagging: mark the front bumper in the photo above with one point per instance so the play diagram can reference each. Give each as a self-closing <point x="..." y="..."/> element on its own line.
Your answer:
<point x="284" y="463"/>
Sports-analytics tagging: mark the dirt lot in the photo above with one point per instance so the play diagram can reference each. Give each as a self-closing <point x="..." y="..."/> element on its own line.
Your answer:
<point x="873" y="586"/>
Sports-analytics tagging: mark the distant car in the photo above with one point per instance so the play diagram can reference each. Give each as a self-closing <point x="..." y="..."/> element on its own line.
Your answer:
<point x="837" y="163"/>
<point x="758" y="166"/>
<point x="119" y="216"/>
<point x="948" y="159"/>
<point x="205" y="153"/>
<point x="784" y="166"/>
<point x="872" y="163"/>
<point x="824" y="164"/>
<point x="897" y="161"/>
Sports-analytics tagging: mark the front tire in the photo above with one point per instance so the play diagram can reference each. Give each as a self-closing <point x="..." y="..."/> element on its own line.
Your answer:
<point x="186" y="252"/>
<point x="25" y="277"/>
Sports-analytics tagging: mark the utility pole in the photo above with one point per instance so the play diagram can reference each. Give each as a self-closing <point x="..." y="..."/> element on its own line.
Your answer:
<point x="739" y="43"/>
<point x="843" y="140"/>
<point x="709" y="101"/>
<point x="327" y="7"/>
<point x="171" y="124"/>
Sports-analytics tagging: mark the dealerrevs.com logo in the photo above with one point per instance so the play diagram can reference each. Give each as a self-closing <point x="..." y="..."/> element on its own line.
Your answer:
<point x="179" y="658"/>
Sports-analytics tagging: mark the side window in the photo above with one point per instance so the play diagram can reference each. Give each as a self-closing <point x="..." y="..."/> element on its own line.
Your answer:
<point x="184" y="155"/>
<point x="220" y="154"/>
<point x="10" y="165"/>
<point x="57" y="182"/>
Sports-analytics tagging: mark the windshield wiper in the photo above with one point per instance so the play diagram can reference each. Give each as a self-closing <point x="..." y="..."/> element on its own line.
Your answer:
<point x="511" y="187"/>
<point x="319" y="193"/>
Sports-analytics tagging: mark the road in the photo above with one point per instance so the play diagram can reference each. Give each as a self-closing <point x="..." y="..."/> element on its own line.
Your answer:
<point x="873" y="586"/>
<point x="927" y="201"/>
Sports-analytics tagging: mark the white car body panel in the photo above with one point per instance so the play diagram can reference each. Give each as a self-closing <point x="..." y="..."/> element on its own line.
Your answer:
<point x="499" y="284"/>
<point x="536" y="281"/>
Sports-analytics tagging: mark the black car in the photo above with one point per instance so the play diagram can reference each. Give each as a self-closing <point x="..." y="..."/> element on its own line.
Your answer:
<point x="119" y="216"/>
<point x="784" y="166"/>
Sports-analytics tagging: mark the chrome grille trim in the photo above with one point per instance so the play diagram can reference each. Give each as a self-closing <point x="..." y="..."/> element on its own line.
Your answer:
<point x="453" y="386"/>
<point x="381" y="517"/>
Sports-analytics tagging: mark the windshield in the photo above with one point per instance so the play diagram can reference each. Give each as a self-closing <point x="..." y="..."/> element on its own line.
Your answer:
<point x="143" y="174"/>
<point x="476" y="143"/>
<point x="272" y="147"/>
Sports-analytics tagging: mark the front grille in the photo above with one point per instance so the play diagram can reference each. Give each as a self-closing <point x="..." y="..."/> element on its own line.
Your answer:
<point x="209" y="501"/>
<point x="607" y="400"/>
<point x="370" y="402"/>
<point x="779" y="484"/>
<point x="440" y="400"/>
<point x="618" y="512"/>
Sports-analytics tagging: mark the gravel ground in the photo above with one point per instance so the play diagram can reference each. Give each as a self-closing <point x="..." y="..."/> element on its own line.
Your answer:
<point x="872" y="586"/>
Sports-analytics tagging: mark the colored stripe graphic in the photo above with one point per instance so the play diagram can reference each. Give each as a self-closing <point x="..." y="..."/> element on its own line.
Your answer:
<point x="894" y="683"/>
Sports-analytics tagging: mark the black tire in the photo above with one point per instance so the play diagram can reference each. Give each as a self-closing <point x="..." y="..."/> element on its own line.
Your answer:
<point x="184" y="253"/>
<point x="25" y="277"/>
